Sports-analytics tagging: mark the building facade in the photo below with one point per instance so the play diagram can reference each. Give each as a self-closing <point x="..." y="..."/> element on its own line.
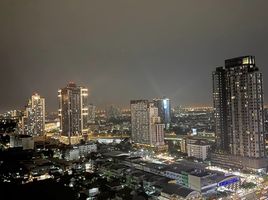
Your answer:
<point x="164" y="110"/>
<point x="198" y="150"/>
<point x="238" y="108"/>
<point x="146" y="124"/>
<point x="33" y="121"/>
<point x="73" y="110"/>
<point x="221" y="110"/>
<point x="24" y="141"/>
<point x="91" y="113"/>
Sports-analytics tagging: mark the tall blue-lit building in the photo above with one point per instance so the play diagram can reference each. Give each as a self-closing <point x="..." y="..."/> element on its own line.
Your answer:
<point x="164" y="110"/>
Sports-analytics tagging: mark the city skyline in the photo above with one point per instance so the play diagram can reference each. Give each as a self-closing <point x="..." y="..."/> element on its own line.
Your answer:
<point x="99" y="46"/>
<point x="128" y="100"/>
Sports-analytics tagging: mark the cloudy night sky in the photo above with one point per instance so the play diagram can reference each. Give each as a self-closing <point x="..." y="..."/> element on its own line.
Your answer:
<point x="125" y="49"/>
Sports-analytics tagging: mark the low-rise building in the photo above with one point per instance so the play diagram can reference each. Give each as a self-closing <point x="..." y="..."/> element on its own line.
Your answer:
<point x="239" y="162"/>
<point x="78" y="151"/>
<point x="24" y="141"/>
<point x="72" y="154"/>
<point x="85" y="149"/>
<point x="198" y="150"/>
<point x="176" y="192"/>
<point x="186" y="174"/>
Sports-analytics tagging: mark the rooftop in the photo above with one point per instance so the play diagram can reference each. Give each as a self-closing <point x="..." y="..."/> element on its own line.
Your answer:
<point x="176" y="189"/>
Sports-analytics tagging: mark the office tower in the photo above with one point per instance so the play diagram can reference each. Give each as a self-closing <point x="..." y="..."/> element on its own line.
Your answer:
<point x="238" y="108"/>
<point x="164" y="110"/>
<point x="73" y="110"/>
<point x="145" y="123"/>
<point x="33" y="121"/>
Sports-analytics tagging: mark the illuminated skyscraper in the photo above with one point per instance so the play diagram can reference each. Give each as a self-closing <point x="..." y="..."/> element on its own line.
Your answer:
<point x="146" y="125"/>
<point x="238" y="108"/>
<point x="73" y="110"/>
<point x="34" y="118"/>
<point x="164" y="110"/>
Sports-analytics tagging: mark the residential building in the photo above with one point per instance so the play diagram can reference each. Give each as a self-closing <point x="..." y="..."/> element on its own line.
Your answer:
<point x="33" y="121"/>
<point x="73" y="110"/>
<point x="238" y="108"/>
<point x="146" y="125"/>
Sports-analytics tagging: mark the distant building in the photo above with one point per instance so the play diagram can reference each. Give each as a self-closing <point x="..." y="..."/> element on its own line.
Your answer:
<point x="112" y="112"/>
<point x="85" y="149"/>
<point x="164" y="110"/>
<point x="8" y="125"/>
<point x="238" y="106"/>
<point x="33" y="122"/>
<point x="140" y="121"/>
<point x="79" y="151"/>
<point x="198" y="150"/>
<point x="73" y="110"/>
<point x="52" y="126"/>
<point x="72" y="154"/>
<point x="24" y="141"/>
<point x="91" y="113"/>
<point x="266" y="121"/>
<point x="12" y="114"/>
<point x="146" y="124"/>
<point x="193" y="147"/>
<point x="183" y="145"/>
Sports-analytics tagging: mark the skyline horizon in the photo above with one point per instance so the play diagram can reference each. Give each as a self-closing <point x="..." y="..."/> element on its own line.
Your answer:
<point x="134" y="99"/>
<point x="121" y="106"/>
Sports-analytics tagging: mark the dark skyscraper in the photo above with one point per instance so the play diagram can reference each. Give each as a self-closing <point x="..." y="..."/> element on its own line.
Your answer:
<point x="238" y="106"/>
<point x="164" y="110"/>
<point x="73" y="110"/>
<point x="220" y="109"/>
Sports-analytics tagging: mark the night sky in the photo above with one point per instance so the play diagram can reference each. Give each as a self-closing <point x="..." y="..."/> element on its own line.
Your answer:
<point x="127" y="49"/>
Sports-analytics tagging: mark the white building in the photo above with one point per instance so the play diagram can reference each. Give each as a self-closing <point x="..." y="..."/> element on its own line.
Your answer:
<point x="198" y="150"/>
<point x="79" y="151"/>
<point x="140" y="121"/>
<point x="146" y="124"/>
